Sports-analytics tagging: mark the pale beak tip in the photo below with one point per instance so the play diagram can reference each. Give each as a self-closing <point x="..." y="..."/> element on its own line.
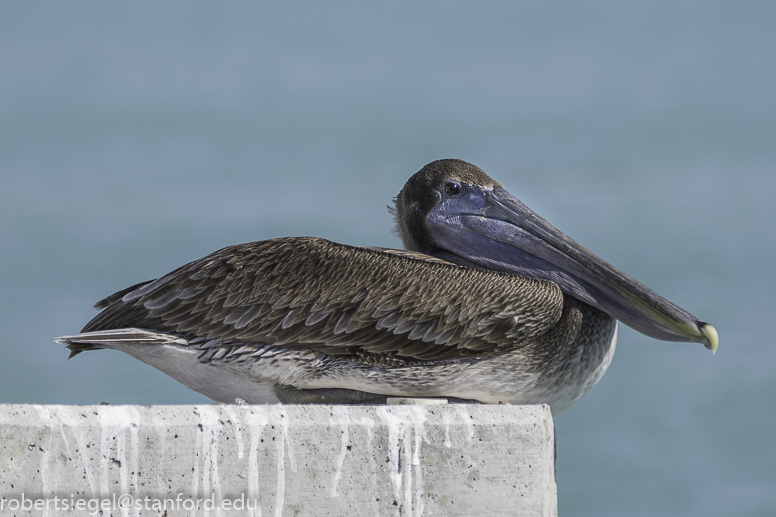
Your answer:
<point x="712" y="337"/>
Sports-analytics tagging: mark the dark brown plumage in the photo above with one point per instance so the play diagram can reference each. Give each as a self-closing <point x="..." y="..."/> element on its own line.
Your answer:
<point x="368" y="306"/>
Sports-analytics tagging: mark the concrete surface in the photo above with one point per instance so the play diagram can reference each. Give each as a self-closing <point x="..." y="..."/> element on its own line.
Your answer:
<point x="311" y="460"/>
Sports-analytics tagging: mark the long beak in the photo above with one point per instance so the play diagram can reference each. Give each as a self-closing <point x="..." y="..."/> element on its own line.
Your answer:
<point x="505" y="235"/>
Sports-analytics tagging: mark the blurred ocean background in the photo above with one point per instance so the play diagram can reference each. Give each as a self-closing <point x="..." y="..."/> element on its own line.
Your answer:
<point x="135" y="137"/>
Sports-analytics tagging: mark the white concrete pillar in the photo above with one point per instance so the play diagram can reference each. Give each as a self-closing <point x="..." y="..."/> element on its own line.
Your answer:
<point x="306" y="460"/>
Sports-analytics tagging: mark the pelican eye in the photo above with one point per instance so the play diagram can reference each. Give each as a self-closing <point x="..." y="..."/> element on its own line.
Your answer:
<point x="452" y="188"/>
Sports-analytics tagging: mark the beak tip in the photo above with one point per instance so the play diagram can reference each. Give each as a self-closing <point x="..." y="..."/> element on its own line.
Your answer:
<point x="711" y="336"/>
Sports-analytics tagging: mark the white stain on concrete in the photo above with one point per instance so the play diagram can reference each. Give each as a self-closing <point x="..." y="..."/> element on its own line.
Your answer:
<point x="210" y="426"/>
<point x="405" y="437"/>
<point x="340" y="417"/>
<point x="116" y="422"/>
<point x="72" y="418"/>
<point x="256" y="420"/>
<point x="279" y="418"/>
<point x="237" y="428"/>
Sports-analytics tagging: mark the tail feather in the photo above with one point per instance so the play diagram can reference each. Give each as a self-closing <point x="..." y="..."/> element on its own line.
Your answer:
<point x="105" y="338"/>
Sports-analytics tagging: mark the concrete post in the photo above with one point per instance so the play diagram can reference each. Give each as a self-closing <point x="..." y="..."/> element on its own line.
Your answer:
<point x="306" y="460"/>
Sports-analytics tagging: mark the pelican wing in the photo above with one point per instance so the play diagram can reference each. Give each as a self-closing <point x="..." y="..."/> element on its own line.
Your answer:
<point x="372" y="306"/>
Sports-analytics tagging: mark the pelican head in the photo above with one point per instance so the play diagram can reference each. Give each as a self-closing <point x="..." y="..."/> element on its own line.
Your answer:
<point x="452" y="210"/>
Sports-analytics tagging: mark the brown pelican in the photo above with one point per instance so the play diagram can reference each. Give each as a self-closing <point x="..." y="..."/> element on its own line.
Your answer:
<point x="489" y="303"/>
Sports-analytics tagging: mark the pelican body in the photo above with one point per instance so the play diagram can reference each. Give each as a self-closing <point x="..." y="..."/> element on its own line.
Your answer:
<point x="488" y="303"/>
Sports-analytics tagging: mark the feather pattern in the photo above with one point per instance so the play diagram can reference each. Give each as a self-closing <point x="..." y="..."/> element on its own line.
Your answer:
<point x="367" y="305"/>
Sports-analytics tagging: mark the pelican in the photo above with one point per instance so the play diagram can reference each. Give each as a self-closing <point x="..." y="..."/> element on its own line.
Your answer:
<point x="488" y="303"/>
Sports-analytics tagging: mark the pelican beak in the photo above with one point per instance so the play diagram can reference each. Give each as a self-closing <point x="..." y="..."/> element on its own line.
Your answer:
<point x="492" y="228"/>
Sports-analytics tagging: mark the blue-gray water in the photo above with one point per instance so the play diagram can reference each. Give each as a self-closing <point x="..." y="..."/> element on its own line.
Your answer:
<point x="136" y="137"/>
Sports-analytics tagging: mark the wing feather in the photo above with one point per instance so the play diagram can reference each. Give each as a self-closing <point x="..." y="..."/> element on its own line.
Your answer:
<point x="369" y="305"/>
